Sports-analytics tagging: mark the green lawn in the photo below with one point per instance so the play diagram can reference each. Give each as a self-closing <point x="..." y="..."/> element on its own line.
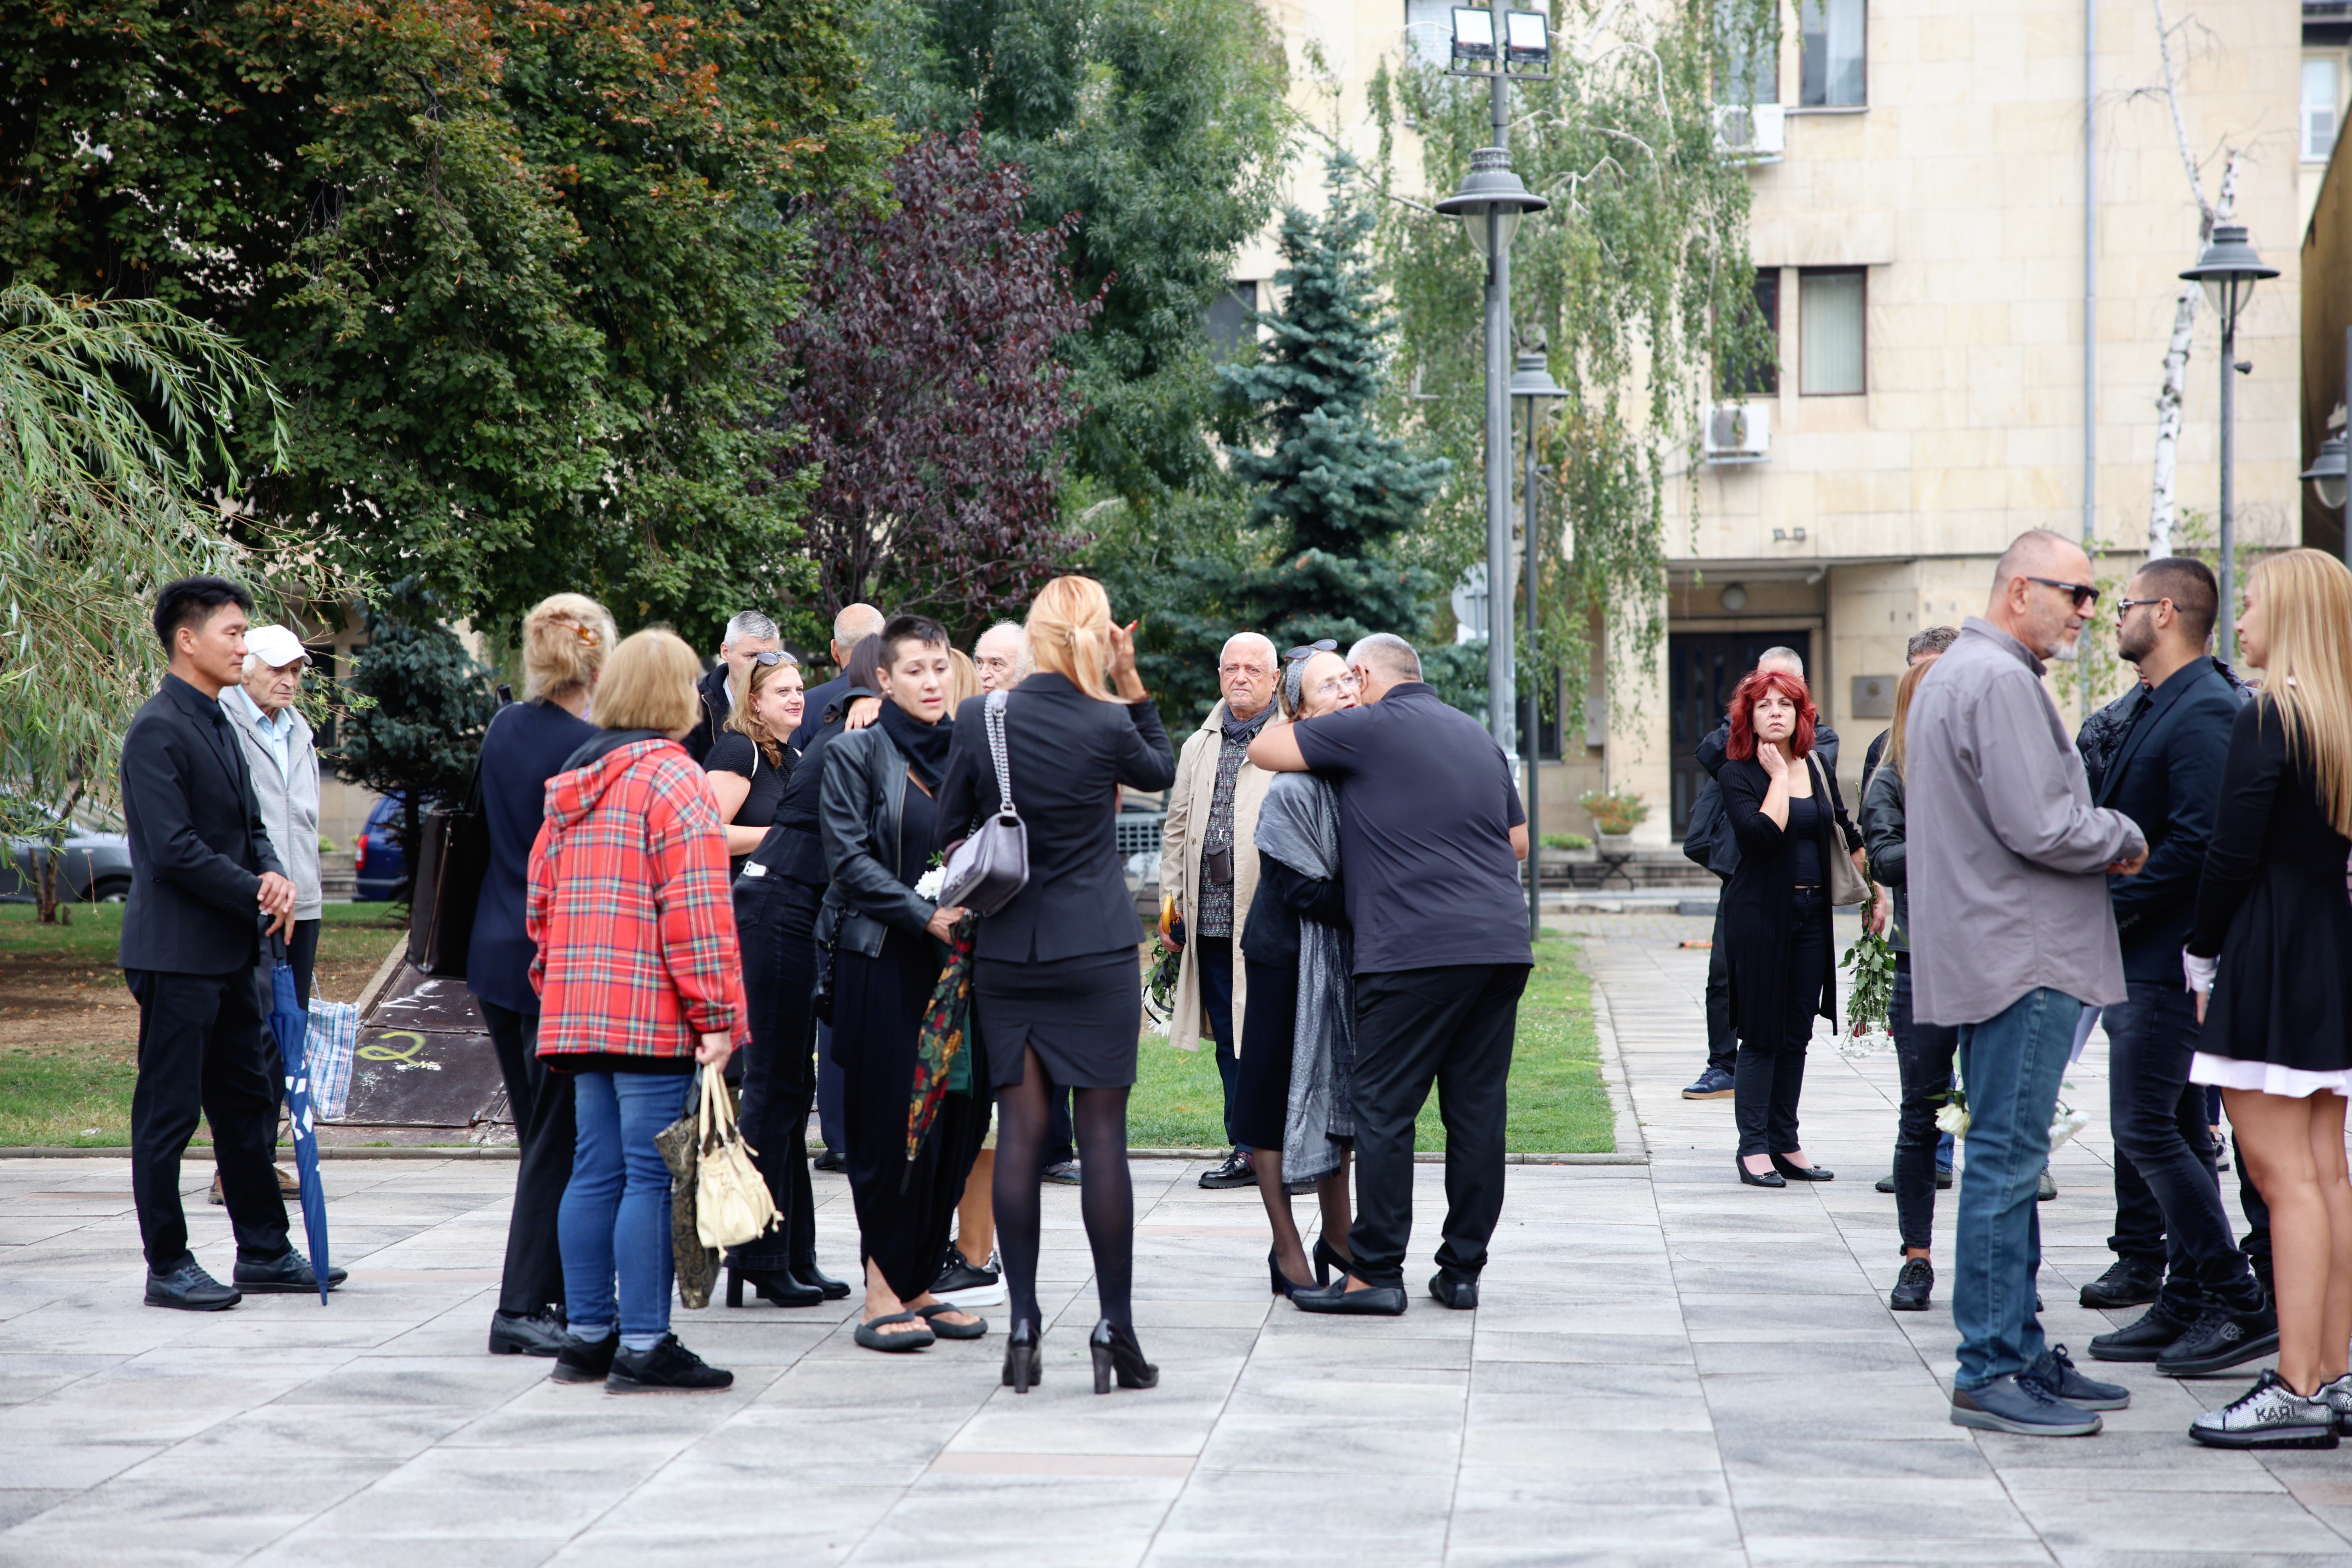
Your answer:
<point x="1558" y="1104"/>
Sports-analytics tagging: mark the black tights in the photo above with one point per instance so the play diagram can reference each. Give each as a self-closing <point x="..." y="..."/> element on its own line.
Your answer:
<point x="1107" y="1197"/>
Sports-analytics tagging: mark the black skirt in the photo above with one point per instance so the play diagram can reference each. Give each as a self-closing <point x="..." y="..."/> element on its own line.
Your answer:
<point x="1081" y="1016"/>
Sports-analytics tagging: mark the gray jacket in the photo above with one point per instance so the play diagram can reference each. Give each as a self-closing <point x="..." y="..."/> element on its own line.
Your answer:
<point x="2006" y="856"/>
<point x="289" y="807"/>
<point x="860" y="806"/>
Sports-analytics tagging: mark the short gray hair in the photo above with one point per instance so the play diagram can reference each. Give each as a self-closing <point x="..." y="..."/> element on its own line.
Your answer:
<point x="1272" y="654"/>
<point x="750" y="624"/>
<point x="855" y="621"/>
<point x="1388" y="653"/>
<point x="1935" y="639"/>
<point x="1785" y="656"/>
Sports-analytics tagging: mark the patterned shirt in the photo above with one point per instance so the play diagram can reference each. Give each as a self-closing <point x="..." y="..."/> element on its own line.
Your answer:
<point x="1216" y="899"/>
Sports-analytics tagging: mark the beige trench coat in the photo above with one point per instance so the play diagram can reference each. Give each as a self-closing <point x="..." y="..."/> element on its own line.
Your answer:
<point x="1179" y="864"/>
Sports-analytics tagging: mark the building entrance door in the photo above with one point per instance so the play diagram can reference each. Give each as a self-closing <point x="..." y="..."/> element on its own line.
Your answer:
<point x="1702" y="669"/>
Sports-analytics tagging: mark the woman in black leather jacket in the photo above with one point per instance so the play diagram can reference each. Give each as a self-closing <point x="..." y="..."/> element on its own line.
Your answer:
<point x="881" y="830"/>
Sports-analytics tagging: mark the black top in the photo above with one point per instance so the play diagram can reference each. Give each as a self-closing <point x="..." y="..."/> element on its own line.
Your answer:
<point x="528" y="744"/>
<point x="1759" y="900"/>
<point x="1426" y="808"/>
<point x="1284" y="897"/>
<point x="1804" y="832"/>
<point x="2165" y="775"/>
<point x="1710" y="840"/>
<point x="711" y="695"/>
<point x="794" y="848"/>
<point x="2272" y="904"/>
<point x="740" y="755"/>
<point x="1068" y="754"/>
<point x="815" y="701"/>
<point x="918" y="834"/>
<point x="197" y="843"/>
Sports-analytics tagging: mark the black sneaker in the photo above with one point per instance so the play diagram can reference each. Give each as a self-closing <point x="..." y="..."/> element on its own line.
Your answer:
<point x="288" y="1276"/>
<point x="2268" y="1416"/>
<point x="2157" y="1330"/>
<point x="2013" y="1404"/>
<point x="2129" y="1282"/>
<point x="668" y="1368"/>
<point x="1712" y="1084"/>
<point x="2220" y="1340"/>
<point x="962" y="1284"/>
<point x="1913" y="1287"/>
<point x="2054" y="1375"/>
<point x="1237" y="1171"/>
<point x="188" y="1288"/>
<point x="584" y="1360"/>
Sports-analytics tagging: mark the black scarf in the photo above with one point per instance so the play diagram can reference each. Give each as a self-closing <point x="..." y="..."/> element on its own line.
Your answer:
<point x="925" y="745"/>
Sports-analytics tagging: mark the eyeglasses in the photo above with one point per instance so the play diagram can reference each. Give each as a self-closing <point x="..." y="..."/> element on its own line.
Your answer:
<point x="2125" y="606"/>
<point x="1340" y="683"/>
<point x="2085" y="594"/>
<point x="769" y="660"/>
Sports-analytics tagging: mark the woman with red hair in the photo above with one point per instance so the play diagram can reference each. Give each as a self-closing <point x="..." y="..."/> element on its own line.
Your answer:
<point x="1784" y="806"/>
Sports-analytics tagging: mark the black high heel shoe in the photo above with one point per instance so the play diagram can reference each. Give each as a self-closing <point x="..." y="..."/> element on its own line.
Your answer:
<point x="1115" y="1351"/>
<point x="808" y="1274"/>
<point x="1023" y="1368"/>
<point x="1277" y="1278"/>
<point x="1327" y="1262"/>
<point x="1768" y="1179"/>
<point x="779" y="1288"/>
<point x="1796" y="1172"/>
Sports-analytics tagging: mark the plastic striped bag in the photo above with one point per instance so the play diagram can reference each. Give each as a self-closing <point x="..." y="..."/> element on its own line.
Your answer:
<point x="334" y="1034"/>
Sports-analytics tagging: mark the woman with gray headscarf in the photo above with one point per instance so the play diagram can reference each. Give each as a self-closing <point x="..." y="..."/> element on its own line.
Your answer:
<point x="1291" y="1103"/>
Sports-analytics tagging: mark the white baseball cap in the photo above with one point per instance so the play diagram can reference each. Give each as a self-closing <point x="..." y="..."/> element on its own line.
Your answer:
<point x="274" y="646"/>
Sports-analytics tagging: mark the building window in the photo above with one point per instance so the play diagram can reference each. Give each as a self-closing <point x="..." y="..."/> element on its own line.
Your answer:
<point x="1228" y="318"/>
<point x="1830" y="302"/>
<point x="1833" y="32"/>
<point x="2320" y="111"/>
<point x="1761" y="380"/>
<point x="1750" y="68"/>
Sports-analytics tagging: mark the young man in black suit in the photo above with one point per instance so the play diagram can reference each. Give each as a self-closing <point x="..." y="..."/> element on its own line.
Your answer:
<point x="2165" y="775"/>
<point x="204" y="880"/>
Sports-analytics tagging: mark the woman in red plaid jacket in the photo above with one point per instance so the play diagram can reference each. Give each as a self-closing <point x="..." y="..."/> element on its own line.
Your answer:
<point x="639" y="980"/>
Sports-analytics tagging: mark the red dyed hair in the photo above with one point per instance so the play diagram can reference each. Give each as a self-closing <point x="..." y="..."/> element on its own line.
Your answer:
<point x="1743" y="707"/>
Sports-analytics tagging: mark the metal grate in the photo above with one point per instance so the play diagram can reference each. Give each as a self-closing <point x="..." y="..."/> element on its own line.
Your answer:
<point x="1139" y="831"/>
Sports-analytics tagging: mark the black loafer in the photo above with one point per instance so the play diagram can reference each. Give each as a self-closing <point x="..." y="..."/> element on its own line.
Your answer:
<point x="2129" y="1282"/>
<point x="188" y="1288"/>
<point x="1455" y="1290"/>
<point x="1237" y="1171"/>
<point x="1378" y="1302"/>
<point x="1796" y="1172"/>
<point x="526" y="1333"/>
<point x="286" y="1276"/>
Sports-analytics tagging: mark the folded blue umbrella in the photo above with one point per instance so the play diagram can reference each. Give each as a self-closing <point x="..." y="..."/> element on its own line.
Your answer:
<point x="290" y="1023"/>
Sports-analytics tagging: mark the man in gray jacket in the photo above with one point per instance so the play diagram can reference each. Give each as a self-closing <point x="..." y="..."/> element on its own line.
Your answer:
<point x="2013" y="935"/>
<point x="283" y="756"/>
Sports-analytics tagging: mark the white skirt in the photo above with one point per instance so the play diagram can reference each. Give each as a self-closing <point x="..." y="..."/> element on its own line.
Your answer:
<point x="2268" y="1078"/>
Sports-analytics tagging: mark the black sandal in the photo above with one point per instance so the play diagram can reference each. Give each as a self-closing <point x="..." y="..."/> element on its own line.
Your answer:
<point x="975" y="1330"/>
<point x="873" y="1339"/>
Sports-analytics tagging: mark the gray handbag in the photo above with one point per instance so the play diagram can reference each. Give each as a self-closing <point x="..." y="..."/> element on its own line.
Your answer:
<point x="988" y="868"/>
<point x="1847" y="885"/>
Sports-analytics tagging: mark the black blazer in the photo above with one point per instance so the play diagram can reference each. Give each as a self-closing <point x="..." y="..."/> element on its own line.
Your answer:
<point x="197" y="843"/>
<point x="1068" y="753"/>
<point x="527" y="744"/>
<point x="1757" y="904"/>
<point x="2167" y="777"/>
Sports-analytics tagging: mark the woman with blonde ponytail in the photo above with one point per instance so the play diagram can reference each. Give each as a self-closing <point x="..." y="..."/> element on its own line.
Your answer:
<point x="2271" y="959"/>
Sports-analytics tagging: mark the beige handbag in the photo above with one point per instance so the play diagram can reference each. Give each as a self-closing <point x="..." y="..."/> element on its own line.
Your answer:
<point x="731" y="1205"/>
<point x="1847" y="886"/>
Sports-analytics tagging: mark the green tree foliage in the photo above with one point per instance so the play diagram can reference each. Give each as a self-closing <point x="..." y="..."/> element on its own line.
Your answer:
<point x="424" y="704"/>
<point x="116" y="417"/>
<point x="514" y="263"/>
<point x="1160" y="128"/>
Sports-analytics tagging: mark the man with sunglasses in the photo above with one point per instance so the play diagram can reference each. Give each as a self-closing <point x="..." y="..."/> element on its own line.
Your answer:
<point x="2012" y="934"/>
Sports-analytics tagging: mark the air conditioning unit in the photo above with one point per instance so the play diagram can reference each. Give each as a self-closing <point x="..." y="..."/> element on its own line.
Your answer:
<point x="1738" y="433"/>
<point x="1752" y="133"/>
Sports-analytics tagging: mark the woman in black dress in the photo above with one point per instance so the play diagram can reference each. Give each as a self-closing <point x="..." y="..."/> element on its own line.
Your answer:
<point x="1058" y="989"/>
<point x="881" y="823"/>
<point x="749" y="763"/>
<point x="1784" y="806"/>
<point x="2271" y="959"/>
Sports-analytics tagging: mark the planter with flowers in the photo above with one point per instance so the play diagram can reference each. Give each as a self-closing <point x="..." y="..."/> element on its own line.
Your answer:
<point x="1615" y="815"/>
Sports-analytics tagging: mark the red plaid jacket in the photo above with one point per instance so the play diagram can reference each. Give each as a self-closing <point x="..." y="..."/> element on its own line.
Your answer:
<point x="629" y="906"/>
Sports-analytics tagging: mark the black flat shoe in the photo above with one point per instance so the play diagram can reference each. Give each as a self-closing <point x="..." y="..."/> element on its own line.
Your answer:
<point x="1378" y="1301"/>
<point x="526" y="1333"/>
<point x="1024" y="1369"/>
<point x="779" y="1288"/>
<point x="1327" y="1262"/>
<point x="1768" y="1179"/>
<point x="188" y="1288"/>
<point x="1117" y="1354"/>
<point x="808" y="1273"/>
<point x="1796" y="1172"/>
<point x="1454" y="1291"/>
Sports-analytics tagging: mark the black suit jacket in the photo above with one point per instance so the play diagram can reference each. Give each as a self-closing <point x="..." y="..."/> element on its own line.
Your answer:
<point x="1068" y="753"/>
<point x="710" y="691"/>
<point x="197" y="843"/>
<point x="2167" y="777"/>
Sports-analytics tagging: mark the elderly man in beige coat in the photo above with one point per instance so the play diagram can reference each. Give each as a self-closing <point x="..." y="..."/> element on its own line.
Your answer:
<point x="1208" y="866"/>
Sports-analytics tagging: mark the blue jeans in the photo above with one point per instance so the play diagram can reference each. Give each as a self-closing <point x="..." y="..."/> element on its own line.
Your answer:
<point x="2011" y="1065"/>
<point x="614" y="1222"/>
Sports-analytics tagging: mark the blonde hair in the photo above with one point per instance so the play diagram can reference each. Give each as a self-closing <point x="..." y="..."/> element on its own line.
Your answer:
<point x="965" y="679"/>
<point x="745" y="685"/>
<point x="1903" y="691"/>
<point x="565" y="637"/>
<point x="2306" y="597"/>
<point x="648" y="684"/>
<point x="1068" y="633"/>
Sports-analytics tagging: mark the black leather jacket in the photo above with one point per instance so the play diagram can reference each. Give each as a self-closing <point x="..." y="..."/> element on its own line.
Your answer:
<point x="1882" y="832"/>
<point x="860" y="807"/>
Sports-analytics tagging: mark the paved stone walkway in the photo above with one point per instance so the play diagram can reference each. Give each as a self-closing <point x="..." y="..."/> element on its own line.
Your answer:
<point x="1667" y="1368"/>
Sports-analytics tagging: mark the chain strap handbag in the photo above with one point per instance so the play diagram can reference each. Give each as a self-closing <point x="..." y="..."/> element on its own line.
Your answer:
<point x="731" y="1203"/>
<point x="988" y="868"/>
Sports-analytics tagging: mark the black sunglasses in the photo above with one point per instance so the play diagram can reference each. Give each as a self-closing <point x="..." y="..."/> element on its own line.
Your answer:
<point x="1325" y="645"/>
<point x="769" y="660"/>
<point x="2085" y="594"/>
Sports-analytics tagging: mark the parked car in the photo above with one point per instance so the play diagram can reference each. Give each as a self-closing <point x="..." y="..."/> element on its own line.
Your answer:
<point x="378" y="865"/>
<point x="94" y="865"/>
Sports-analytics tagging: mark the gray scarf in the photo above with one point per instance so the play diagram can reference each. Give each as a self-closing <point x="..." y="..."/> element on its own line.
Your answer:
<point x="1298" y="824"/>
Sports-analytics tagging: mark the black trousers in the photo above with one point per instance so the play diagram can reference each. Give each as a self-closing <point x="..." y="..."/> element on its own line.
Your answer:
<point x="541" y="1102"/>
<point x="1450" y="1026"/>
<point x="780" y="1073"/>
<point x="1769" y="1075"/>
<point x="1722" y="1038"/>
<point x="2163" y="1138"/>
<point x="201" y="1053"/>
<point x="1923" y="1056"/>
<point x="1216" y="966"/>
<point x="302" y="956"/>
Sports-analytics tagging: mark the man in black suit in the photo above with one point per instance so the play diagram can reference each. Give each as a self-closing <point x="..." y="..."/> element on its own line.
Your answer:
<point x="855" y="624"/>
<point x="2165" y="775"/>
<point x="203" y="879"/>
<point x="748" y="633"/>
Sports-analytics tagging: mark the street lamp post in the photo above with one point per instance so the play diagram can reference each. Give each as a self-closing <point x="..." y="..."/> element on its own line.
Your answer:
<point x="2329" y="471"/>
<point x="1533" y="383"/>
<point x="2229" y="269"/>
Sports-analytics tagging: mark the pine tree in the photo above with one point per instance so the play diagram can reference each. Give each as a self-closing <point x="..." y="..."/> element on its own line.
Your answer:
<point x="1337" y="489"/>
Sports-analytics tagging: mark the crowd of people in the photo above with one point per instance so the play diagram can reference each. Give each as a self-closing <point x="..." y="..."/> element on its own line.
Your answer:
<point x="732" y="873"/>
